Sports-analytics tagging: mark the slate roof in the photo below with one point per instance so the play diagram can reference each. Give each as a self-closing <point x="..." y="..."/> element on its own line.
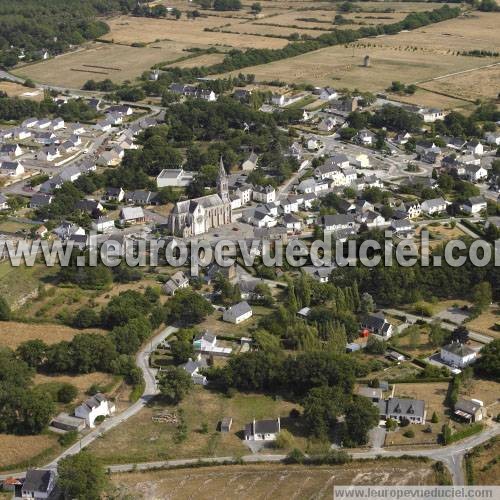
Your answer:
<point x="37" y="480"/>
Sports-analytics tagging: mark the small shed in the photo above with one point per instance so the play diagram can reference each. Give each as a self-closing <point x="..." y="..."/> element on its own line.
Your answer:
<point x="225" y="424"/>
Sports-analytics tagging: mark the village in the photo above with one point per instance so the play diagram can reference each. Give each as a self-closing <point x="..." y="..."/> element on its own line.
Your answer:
<point x="126" y="373"/>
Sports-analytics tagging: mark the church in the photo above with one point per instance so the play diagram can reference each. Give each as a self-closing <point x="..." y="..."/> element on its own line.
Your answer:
<point x="194" y="217"/>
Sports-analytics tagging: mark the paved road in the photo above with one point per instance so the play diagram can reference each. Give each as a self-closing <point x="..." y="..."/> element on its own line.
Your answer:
<point x="412" y="318"/>
<point x="451" y="456"/>
<point x="150" y="390"/>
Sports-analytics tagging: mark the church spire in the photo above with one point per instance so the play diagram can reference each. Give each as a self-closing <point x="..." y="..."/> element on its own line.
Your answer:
<point x="222" y="183"/>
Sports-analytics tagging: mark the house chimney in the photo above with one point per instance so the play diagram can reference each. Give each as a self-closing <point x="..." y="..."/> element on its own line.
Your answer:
<point x="279" y="424"/>
<point x="253" y="428"/>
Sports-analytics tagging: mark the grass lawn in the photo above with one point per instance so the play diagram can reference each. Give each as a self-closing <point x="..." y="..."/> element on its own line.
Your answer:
<point x="403" y="370"/>
<point x="17" y="284"/>
<point x="264" y="481"/>
<point x="215" y="324"/>
<point x="485" y="322"/>
<point x="418" y="345"/>
<point x="139" y="439"/>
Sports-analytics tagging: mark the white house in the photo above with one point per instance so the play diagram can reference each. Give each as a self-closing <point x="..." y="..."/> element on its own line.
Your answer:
<point x="174" y="177"/>
<point x="262" y="430"/>
<point x="250" y="163"/>
<point x="431" y="115"/>
<point x="103" y="224"/>
<point x="292" y="223"/>
<point x="264" y="194"/>
<point x="328" y="124"/>
<point x="458" y="355"/>
<point x="11" y="150"/>
<point x="207" y="343"/>
<point x="314" y="144"/>
<point x="434" y="206"/>
<point x="38" y="484"/>
<point x="22" y="133"/>
<point x="475" y="173"/>
<point x="57" y="124"/>
<point x="29" y="122"/>
<point x="238" y="313"/>
<point x="337" y="222"/>
<point x="290" y="205"/>
<point x="365" y="137"/>
<point x="192" y="367"/>
<point x="361" y="160"/>
<point x="94" y="407"/>
<point x="11" y="168"/>
<point x="474" y="205"/>
<point x="244" y="192"/>
<point x="475" y="147"/>
<point x="400" y="409"/>
<point x="328" y="94"/>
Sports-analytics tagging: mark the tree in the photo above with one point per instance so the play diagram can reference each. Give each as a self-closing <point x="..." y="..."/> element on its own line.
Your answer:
<point x="488" y="364"/>
<point x="66" y="393"/>
<point x="322" y="406"/>
<point x="187" y="307"/>
<point x="391" y="424"/>
<point x="284" y="440"/>
<point x="81" y="476"/>
<point x="174" y="383"/>
<point x="375" y="346"/>
<point x="256" y="8"/>
<point x="434" y="418"/>
<point x="360" y="416"/>
<point x="438" y="336"/>
<point x="460" y="334"/>
<point x="367" y="304"/>
<point x="4" y="310"/>
<point x="482" y="295"/>
<point x="32" y="352"/>
<point x="181" y="351"/>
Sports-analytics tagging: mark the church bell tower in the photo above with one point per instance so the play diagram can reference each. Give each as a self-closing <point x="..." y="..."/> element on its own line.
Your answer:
<point x="222" y="183"/>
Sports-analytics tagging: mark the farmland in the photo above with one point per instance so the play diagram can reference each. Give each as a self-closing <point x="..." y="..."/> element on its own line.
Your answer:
<point x="12" y="333"/>
<point x="135" y="44"/>
<point x="269" y="481"/>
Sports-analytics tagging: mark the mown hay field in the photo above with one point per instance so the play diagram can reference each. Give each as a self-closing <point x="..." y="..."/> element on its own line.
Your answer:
<point x="268" y="480"/>
<point x="341" y="66"/>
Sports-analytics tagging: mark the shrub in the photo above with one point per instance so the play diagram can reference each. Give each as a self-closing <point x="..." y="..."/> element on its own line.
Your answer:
<point x="66" y="393"/>
<point x="99" y="419"/>
<point x="409" y="434"/>
<point x="284" y="440"/>
<point x="295" y="457"/>
<point x="68" y="438"/>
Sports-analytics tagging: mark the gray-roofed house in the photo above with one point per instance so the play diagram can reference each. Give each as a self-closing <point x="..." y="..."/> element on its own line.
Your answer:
<point x="238" y="313"/>
<point x="337" y="222"/>
<point x="377" y="324"/>
<point x="470" y="410"/>
<point x="193" y="367"/>
<point x="474" y="205"/>
<point x="39" y="483"/>
<point x="262" y="430"/>
<point x="250" y="163"/>
<point x="400" y="409"/>
<point x="41" y="200"/>
<point x="177" y="281"/>
<point x="114" y="194"/>
<point x="132" y="215"/>
<point x="433" y="206"/>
